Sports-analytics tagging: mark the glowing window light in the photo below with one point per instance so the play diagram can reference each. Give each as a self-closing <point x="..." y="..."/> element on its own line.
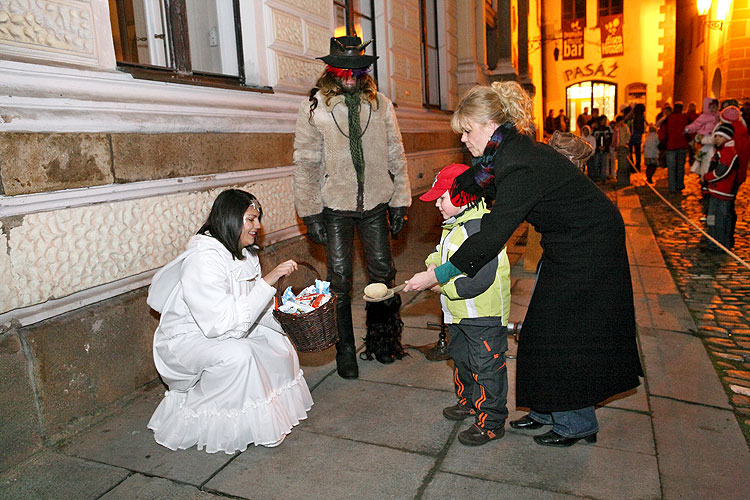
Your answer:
<point x="703" y="7"/>
<point x="722" y="8"/>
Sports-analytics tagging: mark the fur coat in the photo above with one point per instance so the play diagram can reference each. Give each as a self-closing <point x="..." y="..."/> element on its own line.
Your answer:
<point x="324" y="175"/>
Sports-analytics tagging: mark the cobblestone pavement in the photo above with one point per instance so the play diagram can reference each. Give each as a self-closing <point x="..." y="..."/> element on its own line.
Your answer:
<point x="715" y="287"/>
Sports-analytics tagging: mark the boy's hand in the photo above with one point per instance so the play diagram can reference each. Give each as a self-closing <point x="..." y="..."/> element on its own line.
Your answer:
<point x="421" y="281"/>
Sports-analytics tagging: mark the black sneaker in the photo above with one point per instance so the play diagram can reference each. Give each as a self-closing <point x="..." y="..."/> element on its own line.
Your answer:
<point x="458" y="412"/>
<point x="476" y="436"/>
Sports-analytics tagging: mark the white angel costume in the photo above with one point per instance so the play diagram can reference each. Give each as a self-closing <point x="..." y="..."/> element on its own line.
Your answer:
<point x="233" y="377"/>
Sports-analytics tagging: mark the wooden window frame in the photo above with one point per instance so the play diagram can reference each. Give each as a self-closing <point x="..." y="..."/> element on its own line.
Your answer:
<point x="609" y="7"/>
<point x="425" y="56"/>
<point x="573" y="9"/>
<point x="351" y="15"/>
<point x="179" y="51"/>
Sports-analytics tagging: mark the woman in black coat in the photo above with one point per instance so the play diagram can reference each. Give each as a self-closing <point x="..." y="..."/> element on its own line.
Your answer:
<point x="578" y="344"/>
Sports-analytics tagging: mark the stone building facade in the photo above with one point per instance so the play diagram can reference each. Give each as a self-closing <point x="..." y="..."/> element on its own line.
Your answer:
<point x="105" y="172"/>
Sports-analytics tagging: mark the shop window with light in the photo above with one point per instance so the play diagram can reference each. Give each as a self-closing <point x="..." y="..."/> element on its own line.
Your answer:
<point x="360" y="15"/>
<point x="430" y="59"/>
<point x="610" y="7"/>
<point x="187" y="41"/>
<point x="573" y="9"/>
<point x="591" y="94"/>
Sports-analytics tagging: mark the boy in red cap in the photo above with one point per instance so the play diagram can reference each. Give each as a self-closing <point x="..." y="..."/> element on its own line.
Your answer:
<point x="476" y="312"/>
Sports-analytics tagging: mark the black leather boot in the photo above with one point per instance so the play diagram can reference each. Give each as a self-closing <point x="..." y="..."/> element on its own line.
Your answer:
<point x="346" y="359"/>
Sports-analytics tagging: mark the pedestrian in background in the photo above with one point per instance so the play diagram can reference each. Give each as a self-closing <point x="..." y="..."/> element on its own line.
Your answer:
<point x="703" y="127"/>
<point x="637" y="120"/>
<point x="578" y="345"/>
<point x="591" y="140"/>
<point x="549" y="124"/>
<point x="582" y="120"/>
<point x="720" y="179"/>
<point x="676" y="148"/>
<point x="603" y="136"/>
<point x="651" y="153"/>
<point x="562" y="122"/>
<point x="622" y="141"/>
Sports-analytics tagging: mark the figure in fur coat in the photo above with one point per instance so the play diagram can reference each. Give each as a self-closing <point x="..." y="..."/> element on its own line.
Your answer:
<point x="350" y="173"/>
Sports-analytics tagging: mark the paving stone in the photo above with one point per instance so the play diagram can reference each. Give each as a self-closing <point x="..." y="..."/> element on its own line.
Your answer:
<point x="445" y="486"/>
<point x="416" y="413"/>
<point x="50" y="475"/>
<point x="124" y="441"/>
<point x="412" y="370"/>
<point x="142" y="487"/>
<point x="676" y="366"/>
<point x="650" y="279"/>
<point x="21" y="429"/>
<point x="585" y="470"/>
<point x="666" y="312"/>
<point x="702" y="453"/>
<point x="310" y="465"/>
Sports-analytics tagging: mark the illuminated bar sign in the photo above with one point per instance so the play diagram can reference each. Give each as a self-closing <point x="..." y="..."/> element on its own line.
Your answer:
<point x="611" y="34"/>
<point x="573" y="39"/>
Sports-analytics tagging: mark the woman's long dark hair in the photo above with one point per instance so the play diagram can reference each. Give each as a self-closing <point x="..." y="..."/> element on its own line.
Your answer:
<point x="225" y="220"/>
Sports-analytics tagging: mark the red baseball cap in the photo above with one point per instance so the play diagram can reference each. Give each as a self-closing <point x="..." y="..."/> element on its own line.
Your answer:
<point x="443" y="182"/>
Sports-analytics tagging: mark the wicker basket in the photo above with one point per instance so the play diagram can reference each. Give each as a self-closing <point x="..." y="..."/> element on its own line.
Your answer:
<point x="309" y="332"/>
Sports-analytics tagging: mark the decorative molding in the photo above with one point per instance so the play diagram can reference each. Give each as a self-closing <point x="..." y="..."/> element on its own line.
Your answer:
<point x="297" y="71"/>
<point x="320" y="8"/>
<point x="26" y="204"/>
<point x="53" y="254"/>
<point x="25" y="316"/>
<point x="287" y="28"/>
<point x="318" y="40"/>
<point x="54" y="25"/>
<point x="37" y="98"/>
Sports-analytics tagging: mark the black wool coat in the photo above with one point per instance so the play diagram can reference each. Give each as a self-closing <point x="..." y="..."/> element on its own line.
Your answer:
<point x="578" y="345"/>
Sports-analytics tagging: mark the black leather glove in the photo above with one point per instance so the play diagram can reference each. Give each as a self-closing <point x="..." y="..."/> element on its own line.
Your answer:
<point x="397" y="218"/>
<point x="316" y="228"/>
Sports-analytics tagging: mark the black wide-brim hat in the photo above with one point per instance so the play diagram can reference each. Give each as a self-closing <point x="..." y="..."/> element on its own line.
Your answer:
<point x="348" y="52"/>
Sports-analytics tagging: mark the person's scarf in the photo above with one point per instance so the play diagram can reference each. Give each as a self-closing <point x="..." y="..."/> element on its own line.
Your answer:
<point x="352" y="100"/>
<point x="479" y="181"/>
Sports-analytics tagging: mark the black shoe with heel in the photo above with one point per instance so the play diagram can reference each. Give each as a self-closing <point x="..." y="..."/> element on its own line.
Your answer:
<point x="526" y="423"/>
<point x="552" y="438"/>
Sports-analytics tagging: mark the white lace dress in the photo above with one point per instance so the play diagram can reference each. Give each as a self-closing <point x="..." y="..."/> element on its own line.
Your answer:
<point x="233" y="378"/>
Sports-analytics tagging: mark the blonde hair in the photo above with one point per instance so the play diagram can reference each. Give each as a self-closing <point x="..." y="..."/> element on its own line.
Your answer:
<point x="500" y="102"/>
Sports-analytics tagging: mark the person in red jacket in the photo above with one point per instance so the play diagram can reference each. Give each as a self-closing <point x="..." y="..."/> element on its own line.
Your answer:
<point x="720" y="179"/>
<point x="733" y="116"/>
<point x="676" y="150"/>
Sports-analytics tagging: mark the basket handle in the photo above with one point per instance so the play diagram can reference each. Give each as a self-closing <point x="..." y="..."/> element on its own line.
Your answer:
<point x="280" y="282"/>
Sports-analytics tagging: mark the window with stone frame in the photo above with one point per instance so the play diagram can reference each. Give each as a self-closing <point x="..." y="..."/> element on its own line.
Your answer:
<point x="359" y="17"/>
<point x="573" y="9"/>
<point x="610" y="7"/>
<point x="188" y="41"/>
<point x="430" y="54"/>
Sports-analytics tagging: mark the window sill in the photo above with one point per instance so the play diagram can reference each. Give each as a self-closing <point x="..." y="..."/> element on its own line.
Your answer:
<point x="203" y="80"/>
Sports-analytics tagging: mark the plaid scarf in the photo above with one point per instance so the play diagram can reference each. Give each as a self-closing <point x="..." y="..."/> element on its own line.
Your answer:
<point x="479" y="180"/>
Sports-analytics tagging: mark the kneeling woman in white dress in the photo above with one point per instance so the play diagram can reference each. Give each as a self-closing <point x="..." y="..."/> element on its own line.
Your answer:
<point x="233" y="377"/>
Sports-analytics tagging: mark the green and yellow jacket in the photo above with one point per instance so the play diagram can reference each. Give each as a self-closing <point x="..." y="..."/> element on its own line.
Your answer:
<point x="487" y="294"/>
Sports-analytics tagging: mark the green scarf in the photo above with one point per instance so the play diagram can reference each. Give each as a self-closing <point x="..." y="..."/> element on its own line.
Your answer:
<point x="352" y="100"/>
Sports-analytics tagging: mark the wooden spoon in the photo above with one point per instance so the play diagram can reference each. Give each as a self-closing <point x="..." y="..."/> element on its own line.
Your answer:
<point x="373" y="293"/>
